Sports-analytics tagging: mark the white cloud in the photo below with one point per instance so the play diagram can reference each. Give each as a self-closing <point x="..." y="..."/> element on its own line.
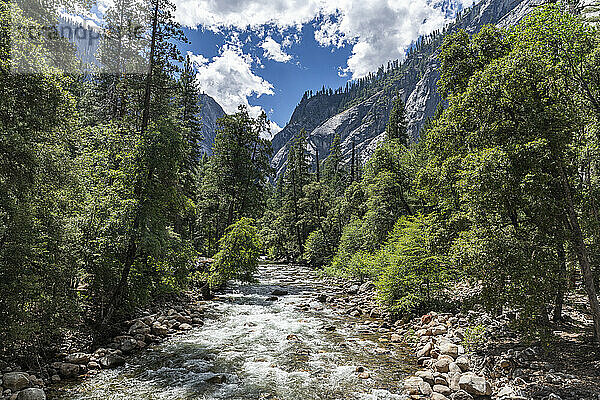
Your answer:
<point x="273" y="51"/>
<point x="378" y="30"/>
<point x="228" y="78"/>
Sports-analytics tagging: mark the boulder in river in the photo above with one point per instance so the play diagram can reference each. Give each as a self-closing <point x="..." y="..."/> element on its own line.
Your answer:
<point x="31" y="394"/>
<point x="475" y="384"/>
<point x="279" y="292"/>
<point x="15" y="381"/>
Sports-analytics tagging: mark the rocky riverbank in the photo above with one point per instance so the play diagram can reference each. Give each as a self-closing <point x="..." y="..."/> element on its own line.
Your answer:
<point x="148" y="328"/>
<point x="467" y="356"/>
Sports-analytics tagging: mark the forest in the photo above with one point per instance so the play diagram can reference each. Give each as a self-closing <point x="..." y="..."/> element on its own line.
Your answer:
<point x="106" y="202"/>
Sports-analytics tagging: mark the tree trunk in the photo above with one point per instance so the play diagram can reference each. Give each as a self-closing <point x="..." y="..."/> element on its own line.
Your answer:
<point x="560" y="293"/>
<point x="582" y="254"/>
<point x="146" y="110"/>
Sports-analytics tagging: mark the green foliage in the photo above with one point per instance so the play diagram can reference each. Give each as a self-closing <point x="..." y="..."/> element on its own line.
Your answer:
<point x="397" y="127"/>
<point x="234" y="182"/>
<point x="474" y="338"/>
<point x="410" y="275"/>
<point x="238" y="254"/>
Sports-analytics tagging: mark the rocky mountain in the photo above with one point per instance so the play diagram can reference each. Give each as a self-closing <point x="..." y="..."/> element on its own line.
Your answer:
<point x="210" y="111"/>
<point x="360" y="113"/>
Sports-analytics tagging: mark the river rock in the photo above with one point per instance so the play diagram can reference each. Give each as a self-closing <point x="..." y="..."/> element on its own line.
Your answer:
<point x="445" y="390"/>
<point x="425" y="388"/>
<point x="426" y="375"/>
<point x="449" y="349"/>
<point x="112" y="361"/>
<point x="443" y="363"/>
<point x="475" y="384"/>
<point x="15" y="381"/>
<point x="395" y="338"/>
<point x="279" y="292"/>
<point x="438" y="330"/>
<point x="31" y="394"/>
<point x="78" y="358"/>
<point x="159" y="329"/>
<point x="412" y="385"/>
<point x="139" y="328"/>
<point x="461" y="395"/>
<point x="454" y="380"/>
<point x="425" y="351"/>
<point x="68" y="370"/>
<point x="463" y="362"/>
<point x="185" y="327"/>
<point x="126" y="343"/>
<point x="438" y="396"/>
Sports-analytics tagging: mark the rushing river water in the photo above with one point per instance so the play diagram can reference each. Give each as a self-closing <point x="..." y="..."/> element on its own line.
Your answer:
<point x="252" y="347"/>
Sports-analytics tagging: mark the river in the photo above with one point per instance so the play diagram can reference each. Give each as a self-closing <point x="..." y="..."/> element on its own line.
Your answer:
<point x="252" y="347"/>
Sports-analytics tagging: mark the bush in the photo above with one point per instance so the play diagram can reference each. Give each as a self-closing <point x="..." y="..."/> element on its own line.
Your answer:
<point x="315" y="249"/>
<point x="237" y="258"/>
<point x="354" y="239"/>
<point x="411" y="275"/>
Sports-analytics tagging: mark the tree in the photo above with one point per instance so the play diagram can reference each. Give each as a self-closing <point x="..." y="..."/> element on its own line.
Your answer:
<point x="502" y="154"/>
<point x="238" y="254"/>
<point x="397" y="127"/>
<point x="234" y="184"/>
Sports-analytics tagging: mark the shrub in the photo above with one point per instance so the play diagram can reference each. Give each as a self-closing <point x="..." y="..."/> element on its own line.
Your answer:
<point x="410" y="274"/>
<point x="237" y="258"/>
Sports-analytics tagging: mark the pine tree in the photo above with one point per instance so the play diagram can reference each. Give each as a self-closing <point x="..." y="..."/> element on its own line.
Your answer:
<point x="397" y="127"/>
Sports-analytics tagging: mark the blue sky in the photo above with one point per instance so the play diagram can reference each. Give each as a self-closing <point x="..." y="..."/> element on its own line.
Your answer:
<point x="266" y="53"/>
<point x="310" y="67"/>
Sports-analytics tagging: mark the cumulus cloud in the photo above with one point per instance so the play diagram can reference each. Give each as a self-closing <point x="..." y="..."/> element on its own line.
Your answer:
<point x="274" y="52"/>
<point x="228" y="78"/>
<point x="377" y="30"/>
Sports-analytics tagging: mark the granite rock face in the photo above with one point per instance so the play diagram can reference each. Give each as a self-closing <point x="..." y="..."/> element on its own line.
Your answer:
<point x="210" y="111"/>
<point x="324" y="116"/>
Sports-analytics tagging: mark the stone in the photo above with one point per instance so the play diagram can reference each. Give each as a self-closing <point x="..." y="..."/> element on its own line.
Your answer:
<point x="139" y="328"/>
<point x="453" y="367"/>
<point x="425" y="351"/>
<point x="461" y="395"/>
<point x="554" y="397"/>
<point x="439" y="330"/>
<point x="412" y="385"/>
<point x="55" y="378"/>
<point x="185" y="327"/>
<point x="112" y="361"/>
<point x="68" y="370"/>
<point x="15" y="381"/>
<point x="395" y="338"/>
<point x="463" y="362"/>
<point x="31" y="394"/>
<point x="449" y="349"/>
<point x="443" y="364"/>
<point x="475" y="384"/>
<point x="78" y="358"/>
<point x="159" y="329"/>
<point x="126" y="343"/>
<point x="279" y="292"/>
<point x="427" y="376"/>
<point x="425" y="388"/>
<point x="445" y="390"/>
<point x="506" y="392"/>
<point x="438" y="396"/>
<point x="440" y="380"/>
<point x="364" y="375"/>
<point x="453" y="380"/>
<point x="93" y="365"/>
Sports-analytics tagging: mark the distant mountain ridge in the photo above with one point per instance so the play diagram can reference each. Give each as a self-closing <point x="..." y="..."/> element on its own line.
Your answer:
<point x="210" y="112"/>
<point x="360" y="113"/>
